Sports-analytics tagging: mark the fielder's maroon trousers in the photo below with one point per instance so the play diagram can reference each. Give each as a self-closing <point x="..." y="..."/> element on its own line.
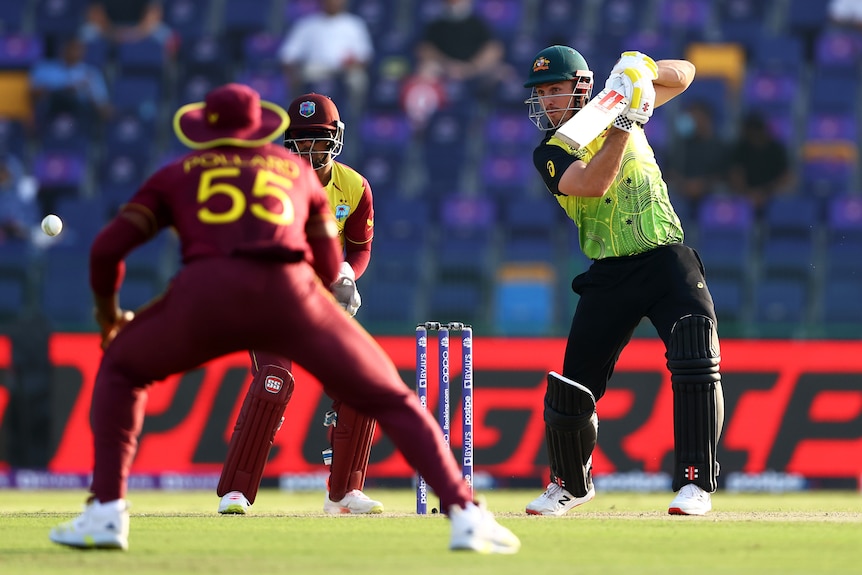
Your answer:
<point x="221" y="305"/>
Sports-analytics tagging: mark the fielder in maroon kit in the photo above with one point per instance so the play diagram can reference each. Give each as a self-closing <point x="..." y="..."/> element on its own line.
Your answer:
<point x="259" y="250"/>
<point x="316" y="132"/>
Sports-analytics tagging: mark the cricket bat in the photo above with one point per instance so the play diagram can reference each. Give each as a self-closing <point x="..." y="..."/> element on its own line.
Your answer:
<point x="592" y="119"/>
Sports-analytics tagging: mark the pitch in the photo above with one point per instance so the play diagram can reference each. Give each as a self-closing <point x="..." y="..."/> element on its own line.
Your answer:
<point x="180" y="532"/>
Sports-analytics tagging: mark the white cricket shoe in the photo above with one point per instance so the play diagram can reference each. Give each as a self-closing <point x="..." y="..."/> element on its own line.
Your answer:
<point x="475" y="529"/>
<point x="691" y="500"/>
<point x="354" y="502"/>
<point x="233" y="503"/>
<point x="557" y="501"/>
<point x="100" y="526"/>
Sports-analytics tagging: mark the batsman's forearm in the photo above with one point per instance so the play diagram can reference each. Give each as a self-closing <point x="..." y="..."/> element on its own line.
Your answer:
<point x="593" y="180"/>
<point x="674" y="77"/>
<point x="674" y="73"/>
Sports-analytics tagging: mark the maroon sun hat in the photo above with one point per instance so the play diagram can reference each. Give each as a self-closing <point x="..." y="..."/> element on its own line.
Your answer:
<point x="230" y="115"/>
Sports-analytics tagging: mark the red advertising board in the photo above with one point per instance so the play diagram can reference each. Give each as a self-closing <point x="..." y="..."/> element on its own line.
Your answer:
<point x="791" y="407"/>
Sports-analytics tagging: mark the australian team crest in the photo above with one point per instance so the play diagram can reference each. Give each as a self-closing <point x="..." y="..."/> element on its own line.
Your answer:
<point x="541" y="63"/>
<point x="307" y="109"/>
<point x="341" y="212"/>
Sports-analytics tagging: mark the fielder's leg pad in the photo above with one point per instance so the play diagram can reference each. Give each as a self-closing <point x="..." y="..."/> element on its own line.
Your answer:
<point x="693" y="358"/>
<point x="571" y="432"/>
<point x="350" y="438"/>
<point x="259" y="420"/>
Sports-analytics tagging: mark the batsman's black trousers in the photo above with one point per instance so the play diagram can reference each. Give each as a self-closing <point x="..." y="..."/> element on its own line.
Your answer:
<point x="663" y="284"/>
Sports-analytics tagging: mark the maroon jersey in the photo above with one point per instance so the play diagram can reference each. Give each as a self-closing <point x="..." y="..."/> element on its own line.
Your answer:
<point x="231" y="201"/>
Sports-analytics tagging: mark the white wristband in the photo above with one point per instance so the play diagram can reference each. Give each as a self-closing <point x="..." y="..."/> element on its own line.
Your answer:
<point x="345" y="271"/>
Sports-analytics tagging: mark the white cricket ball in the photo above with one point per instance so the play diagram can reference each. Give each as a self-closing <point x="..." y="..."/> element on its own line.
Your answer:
<point x="52" y="225"/>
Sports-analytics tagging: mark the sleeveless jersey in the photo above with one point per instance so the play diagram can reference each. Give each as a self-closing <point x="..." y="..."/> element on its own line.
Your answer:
<point x="634" y="216"/>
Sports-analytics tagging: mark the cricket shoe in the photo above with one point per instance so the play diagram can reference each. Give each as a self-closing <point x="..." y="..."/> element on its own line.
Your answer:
<point x="100" y="526"/>
<point x="691" y="500"/>
<point x="557" y="501"/>
<point x="475" y="529"/>
<point x="233" y="503"/>
<point x="354" y="502"/>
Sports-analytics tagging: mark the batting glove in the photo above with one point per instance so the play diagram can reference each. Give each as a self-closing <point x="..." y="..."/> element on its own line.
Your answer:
<point x="344" y="289"/>
<point x="633" y="59"/>
<point x="638" y="89"/>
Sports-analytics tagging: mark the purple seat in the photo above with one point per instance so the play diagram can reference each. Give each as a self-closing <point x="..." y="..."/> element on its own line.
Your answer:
<point x="458" y="211"/>
<point x="834" y="90"/>
<point x="725" y="212"/>
<point x="12" y="137"/>
<point x="195" y="87"/>
<point x="388" y="131"/>
<point x="657" y="131"/>
<point x="797" y="215"/>
<point x="145" y="57"/>
<point x="137" y="95"/>
<point x="504" y="16"/>
<point x="260" y="50"/>
<point x="187" y="17"/>
<point x="19" y="50"/>
<point x="59" y="17"/>
<point x="65" y="133"/>
<point x="729" y="297"/>
<point x="845" y="214"/>
<point x="838" y="47"/>
<point x="511" y="131"/>
<point x="825" y="176"/>
<point x="654" y="43"/>
<point x="506" y="175"/>
<point x="731" y="11"/>
<point x="766" y="90"/>
<point x="204" y="54"/>
<point x="247" y="16"/>
<point x="59" y="169"/>
<point x="840" y="301"/>
<point x="124" y="169"/>
<point x="781" y="301"/>
<point x="777" y="52"/>
<point x="831" y="127"/>
<point x="806" y="15"/>
<point x="683" y="14"/>
<point x="785" y="256"/>
<point x="376" y="13"/>
<point x="619" y="18"/>
<point x="296" y="9"/>
<point x="11" y="16"/>
<point x="269" y="84"/>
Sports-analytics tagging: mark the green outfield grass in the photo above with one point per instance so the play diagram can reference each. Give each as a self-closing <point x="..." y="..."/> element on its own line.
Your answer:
<point x="180" y="532"/>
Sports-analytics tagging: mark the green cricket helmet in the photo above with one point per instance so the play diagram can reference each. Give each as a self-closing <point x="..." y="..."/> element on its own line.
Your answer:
<point x="558" y="64"/>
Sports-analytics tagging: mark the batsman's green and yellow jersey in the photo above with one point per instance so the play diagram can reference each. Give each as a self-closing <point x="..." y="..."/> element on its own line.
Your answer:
<point x="634" y="216"/>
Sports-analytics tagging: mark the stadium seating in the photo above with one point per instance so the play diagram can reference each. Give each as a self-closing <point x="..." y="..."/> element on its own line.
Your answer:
<point x="787" y="62"/>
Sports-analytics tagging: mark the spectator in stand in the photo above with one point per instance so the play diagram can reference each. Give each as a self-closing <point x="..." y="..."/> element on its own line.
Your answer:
<point x="18" y="212"/>
<point x="329" y="44"/>
<point x="846" y="13"/>
<point x="759" y="166"/>
<point x="69" y="85"/>
<point x="460" y="46"/>
<point x="121" y="21"/>
<point x="698" y="163"/>
<point x="456" y="48"/>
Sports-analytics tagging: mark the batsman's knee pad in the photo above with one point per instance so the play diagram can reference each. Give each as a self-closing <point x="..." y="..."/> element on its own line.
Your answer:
<point x="571" y="432"/>
<point x="259" y="420"/>
<point x="693" y="358"/>
<point x="350" y="435"/>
